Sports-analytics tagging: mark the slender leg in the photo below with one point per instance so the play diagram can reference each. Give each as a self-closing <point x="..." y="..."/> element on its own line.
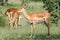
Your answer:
<point x="32" y="29"/>
<point x="11" y="23"/>
<point x="19" y="20"/>
<point x="47" y="24"/>
<point x="16" y="23"/>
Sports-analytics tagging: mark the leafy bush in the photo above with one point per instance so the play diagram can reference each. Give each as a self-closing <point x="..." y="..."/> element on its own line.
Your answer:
<point x="53" y="7"/>
<point x="0" y="2"/>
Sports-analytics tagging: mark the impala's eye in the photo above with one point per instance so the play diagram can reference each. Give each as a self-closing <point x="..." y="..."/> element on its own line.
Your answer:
<point x="24" y="7"/>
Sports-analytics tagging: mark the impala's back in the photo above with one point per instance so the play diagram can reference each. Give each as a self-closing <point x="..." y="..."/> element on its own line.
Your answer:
<point x="40" y="16"/>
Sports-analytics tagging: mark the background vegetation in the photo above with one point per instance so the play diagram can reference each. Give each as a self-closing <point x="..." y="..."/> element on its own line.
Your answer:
<point x="22" y="33"/>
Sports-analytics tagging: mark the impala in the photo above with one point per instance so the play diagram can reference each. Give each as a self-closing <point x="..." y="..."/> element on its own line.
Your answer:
<point x="35" y="17"/>
<point x="13" y="16"/>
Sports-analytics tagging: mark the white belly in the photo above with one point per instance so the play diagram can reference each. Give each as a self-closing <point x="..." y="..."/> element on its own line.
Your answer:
<point x="39" y="19"/>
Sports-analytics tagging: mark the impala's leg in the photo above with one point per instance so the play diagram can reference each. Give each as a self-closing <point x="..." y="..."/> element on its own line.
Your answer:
<point x="19" y="20"/>
<point x="32" y="29"/>
<point x="47" y="24"/>
<point x="16" y="23"/>
<point x="10" y="21"/>
<point x="11" y="24"/>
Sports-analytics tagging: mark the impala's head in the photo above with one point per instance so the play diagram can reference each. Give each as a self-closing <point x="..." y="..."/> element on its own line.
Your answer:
<point x="22" y="8"/>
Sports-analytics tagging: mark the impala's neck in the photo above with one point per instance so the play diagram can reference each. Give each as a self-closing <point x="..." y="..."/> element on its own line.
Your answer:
<point x="26" y="15"/>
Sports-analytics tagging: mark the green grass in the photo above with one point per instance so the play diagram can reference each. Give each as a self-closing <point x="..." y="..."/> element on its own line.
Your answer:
<point x="22" y="33"/>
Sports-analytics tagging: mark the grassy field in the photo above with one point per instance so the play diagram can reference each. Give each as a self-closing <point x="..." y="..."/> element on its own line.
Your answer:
<point x="22" y="33"/>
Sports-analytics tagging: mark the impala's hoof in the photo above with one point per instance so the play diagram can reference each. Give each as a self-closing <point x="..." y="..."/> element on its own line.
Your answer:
<point x="33" y="36"/>
<point x="30" y="36"/>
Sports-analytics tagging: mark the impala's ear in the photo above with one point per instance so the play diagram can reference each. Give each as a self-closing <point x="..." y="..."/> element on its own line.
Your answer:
<point x="24" y="6"/>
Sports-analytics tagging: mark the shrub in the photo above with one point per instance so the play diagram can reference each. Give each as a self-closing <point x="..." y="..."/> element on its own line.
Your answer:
<point x="53" y="7"/>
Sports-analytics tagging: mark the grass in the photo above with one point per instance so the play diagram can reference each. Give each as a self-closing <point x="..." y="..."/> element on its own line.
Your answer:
<point x="22" y="33"/>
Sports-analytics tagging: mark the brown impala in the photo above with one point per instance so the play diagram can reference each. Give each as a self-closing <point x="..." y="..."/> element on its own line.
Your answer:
<point x="14" y="16"/>
<point x="37" y="17"/>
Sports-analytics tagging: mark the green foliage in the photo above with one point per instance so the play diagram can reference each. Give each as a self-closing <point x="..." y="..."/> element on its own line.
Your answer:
<point x="53" y="7"/>
<point x="0" y="2"/>
<point x="2" y="21"/>
<point x="25" y="2"/>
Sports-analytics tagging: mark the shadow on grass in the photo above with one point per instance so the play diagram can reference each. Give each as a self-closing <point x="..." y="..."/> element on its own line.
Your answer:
<point x="37" y="37"/>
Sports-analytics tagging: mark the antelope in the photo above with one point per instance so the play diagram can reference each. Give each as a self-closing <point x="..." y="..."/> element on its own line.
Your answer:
<point x="14" y="16"/>
<point x="35" y="17"/>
